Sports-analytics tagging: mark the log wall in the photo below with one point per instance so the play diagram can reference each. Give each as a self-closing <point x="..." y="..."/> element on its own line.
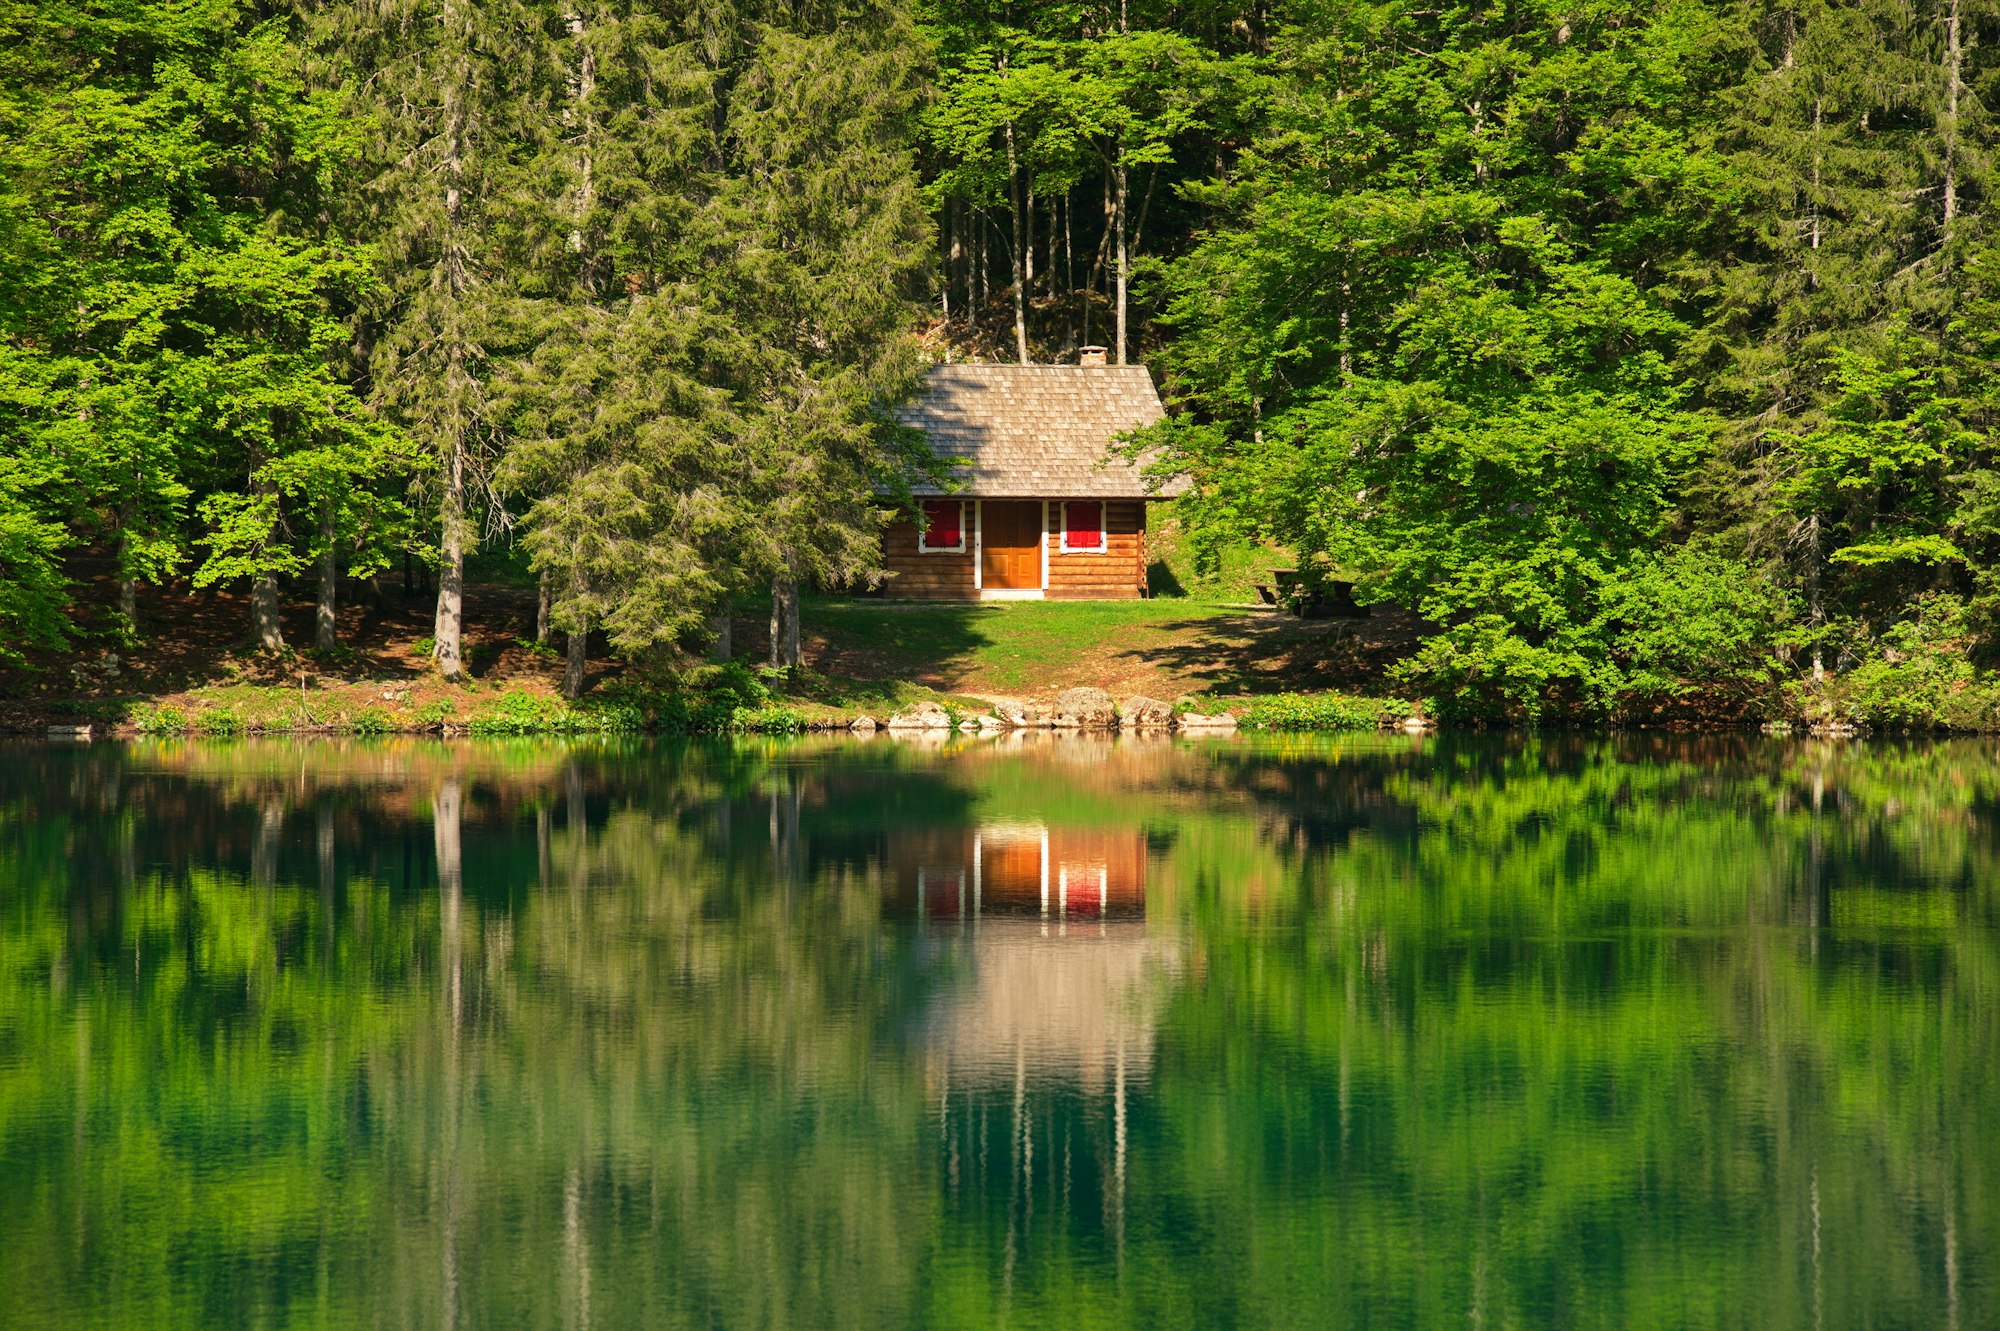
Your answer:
<point x="921" y="577"/>
<point x="1119" y="573"/>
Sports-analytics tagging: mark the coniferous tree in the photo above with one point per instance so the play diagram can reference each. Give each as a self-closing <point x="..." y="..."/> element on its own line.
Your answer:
<point x="450" y="89"/>
<point x="628" y="500"/>
<point x="821" y="235"/>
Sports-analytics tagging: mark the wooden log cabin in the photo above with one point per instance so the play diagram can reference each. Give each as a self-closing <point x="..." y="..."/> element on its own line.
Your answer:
<point x="1039" y="506"/>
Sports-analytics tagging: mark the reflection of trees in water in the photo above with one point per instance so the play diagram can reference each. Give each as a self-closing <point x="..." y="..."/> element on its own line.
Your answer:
<point x="1526" y="1030"/>
<point x="1586" y="1013"/>
<point x="631" y="1044"/>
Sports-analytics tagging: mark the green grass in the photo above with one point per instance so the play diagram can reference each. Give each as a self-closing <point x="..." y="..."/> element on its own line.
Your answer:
<point x="1018" y="646"/>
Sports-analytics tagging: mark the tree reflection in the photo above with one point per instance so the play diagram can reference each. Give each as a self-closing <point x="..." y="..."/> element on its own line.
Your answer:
<point x="1590" y="1031"/>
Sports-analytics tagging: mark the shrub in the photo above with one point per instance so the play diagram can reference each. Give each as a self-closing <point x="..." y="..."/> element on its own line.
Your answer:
<point x="768" y="720"/>
<point x="1920" y="677"/>
<point x="160" y="719"/>
<point x="608" y="716"/>
<point x="435" y="713"/>
<point x="1691" y="619"/>
<point x="1319" y="711"/>
<point x="370" y="722"/>
<point x="219" y="721"/>
<point x="519" y="712"/>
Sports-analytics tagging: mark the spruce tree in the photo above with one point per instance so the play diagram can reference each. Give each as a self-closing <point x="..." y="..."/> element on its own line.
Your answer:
<point x="820" y="238"/>
<point x="619" y="452"/>
<point x="449" y="90"/>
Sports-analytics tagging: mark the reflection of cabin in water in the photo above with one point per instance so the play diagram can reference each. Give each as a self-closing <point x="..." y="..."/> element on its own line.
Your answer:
<point x="1062" y="977"/>
<point x="1058" y="874"/>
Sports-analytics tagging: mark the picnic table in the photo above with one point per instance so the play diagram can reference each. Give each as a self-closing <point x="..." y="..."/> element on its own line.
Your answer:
<point x="1289" y="589"/>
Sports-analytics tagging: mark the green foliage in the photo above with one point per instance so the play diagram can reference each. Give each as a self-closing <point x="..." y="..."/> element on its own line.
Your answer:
<point x="219" y="721"/>
<point x="370" y="722"/>
<point x="176" y="301"/>
<point x="434" y="714"/>
<point x="1690" y="620"/>
<point x="1317" y="712"/>
<point x="160" y="719"/>
<point x="1920" y="676"/>
<point x="767" y="720"/>
<point x="520" y="712"/>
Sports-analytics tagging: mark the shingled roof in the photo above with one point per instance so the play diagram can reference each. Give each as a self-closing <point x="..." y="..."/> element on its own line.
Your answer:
<point x="1039" y="431"/>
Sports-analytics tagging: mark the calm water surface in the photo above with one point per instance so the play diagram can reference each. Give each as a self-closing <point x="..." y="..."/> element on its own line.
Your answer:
<point x="1366" y="1032"/>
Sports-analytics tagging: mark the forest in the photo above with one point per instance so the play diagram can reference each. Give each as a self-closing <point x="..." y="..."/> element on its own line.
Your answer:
<point x="1642" y="350"/>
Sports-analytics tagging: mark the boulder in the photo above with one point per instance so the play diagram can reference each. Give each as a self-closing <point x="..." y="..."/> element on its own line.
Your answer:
<point x="988" y="722"/>
<point x="862" y="725"/>
<point x="1085" y="709"/>
<point x="1200" y="723"/>
<point x="968" y="725"/>
<point x="924" y="716"/>
<point x="70" y="732"/>
<point x="1416" y="725"/>
<point x="1142" y="713"/>
<point x="1013" y="712"/>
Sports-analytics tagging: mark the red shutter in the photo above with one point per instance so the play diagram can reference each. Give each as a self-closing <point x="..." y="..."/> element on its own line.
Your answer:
<point x="946" y="529"/>
<point x="1085" y="525"/>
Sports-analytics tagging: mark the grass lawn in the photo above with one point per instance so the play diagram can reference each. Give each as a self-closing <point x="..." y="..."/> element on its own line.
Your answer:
<point x="1163" y="647"/>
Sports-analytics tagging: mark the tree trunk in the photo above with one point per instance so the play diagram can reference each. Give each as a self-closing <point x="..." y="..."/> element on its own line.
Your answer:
<point x="1124" y="258"/>
<point x="785" y="621"/>
<point x="1028" y="234"/>
<point x="449" y="624"/>
<point x="722" y="646"/>
<point x="1014" y="253"/>
<point x="542" y="607"/>
<point x="1953" y="62"/>
<point x="579" y="660"/>
<point x="1812" y="275"/>
<point x="329" y="584"/>
<point x="265" y="621"/>
<point x="1815" y="605"/>
<point x="950" y="258"/>
<point x="128" y="584"/>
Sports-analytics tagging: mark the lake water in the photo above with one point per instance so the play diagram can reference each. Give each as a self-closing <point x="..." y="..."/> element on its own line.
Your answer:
<point x="1352" y="1032"/>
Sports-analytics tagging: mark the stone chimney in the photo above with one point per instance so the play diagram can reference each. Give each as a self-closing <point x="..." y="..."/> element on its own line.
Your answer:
<point x="1090" y="356"/>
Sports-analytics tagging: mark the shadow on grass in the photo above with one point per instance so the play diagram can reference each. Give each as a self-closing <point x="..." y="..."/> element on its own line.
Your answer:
<point x="929" y="643"/>
<point x="1268" y="652"/>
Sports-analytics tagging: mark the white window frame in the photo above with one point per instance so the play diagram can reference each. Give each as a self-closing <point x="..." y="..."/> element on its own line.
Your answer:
<point x="1103" y="545"/>
<point x="924" y="546"/>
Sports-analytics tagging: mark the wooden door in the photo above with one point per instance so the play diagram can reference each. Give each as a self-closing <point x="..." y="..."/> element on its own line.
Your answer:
<point x="1010" y="543"/>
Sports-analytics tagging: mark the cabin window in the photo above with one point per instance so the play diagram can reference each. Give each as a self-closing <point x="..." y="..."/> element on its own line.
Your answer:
<point x="944" y="527"/>
<point x="1083" y="528"/>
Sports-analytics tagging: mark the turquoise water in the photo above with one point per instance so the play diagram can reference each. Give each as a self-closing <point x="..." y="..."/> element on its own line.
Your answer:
<point x="1362" y="1032"/>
